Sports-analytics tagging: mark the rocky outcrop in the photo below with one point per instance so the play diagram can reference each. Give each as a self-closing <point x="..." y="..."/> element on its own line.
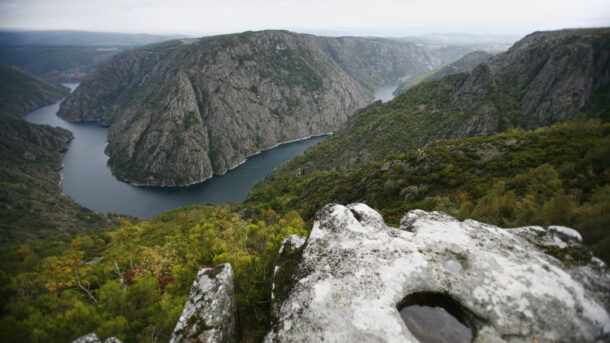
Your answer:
<point x="210" y="314"/>
<point x="288" y="260"/>
<point x="357" y="275"/>
<point x="182" y="111"/>
<point x="545" y="78"/>
<point x="92" y="338"/>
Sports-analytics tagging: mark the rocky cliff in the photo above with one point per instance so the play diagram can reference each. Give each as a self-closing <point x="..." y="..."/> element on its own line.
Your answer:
<point x="181" y="111"/>
<point x="544" y="78"/>
<point x="359" y="280"/>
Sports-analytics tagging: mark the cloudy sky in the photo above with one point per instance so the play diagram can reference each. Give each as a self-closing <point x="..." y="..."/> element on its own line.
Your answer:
<point x="362" y="17"/>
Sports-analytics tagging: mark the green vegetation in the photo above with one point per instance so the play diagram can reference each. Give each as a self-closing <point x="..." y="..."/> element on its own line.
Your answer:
<point x="405" y="123"/>
<point x="552" y="176"/>
<point x="21" y="93"/>
<point x="161" y="45"/>
<point x="132" y="281"/>
<point x="472" y="104"/>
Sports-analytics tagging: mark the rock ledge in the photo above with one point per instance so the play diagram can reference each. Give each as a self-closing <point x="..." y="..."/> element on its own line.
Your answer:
<point x="355" y="272"/>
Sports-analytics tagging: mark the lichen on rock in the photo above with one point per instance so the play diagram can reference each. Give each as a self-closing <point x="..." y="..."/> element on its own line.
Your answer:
<point x="92" y="338"/>
<point x="289" y="257"/>
<point x="355" y="273"/>
<point x="210" y="313"/>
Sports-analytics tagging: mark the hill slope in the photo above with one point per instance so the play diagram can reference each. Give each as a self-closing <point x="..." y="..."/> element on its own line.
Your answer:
<point x="79" y="38"/>
<point x="21" y="93"/>
<point x="31" y="203"/>
<point x="463" y="65"/>
<point x="552" y="176"/>
<point x="544" y="78"/>
<point x="183" y="110"/>
<point x="66" y="56"/>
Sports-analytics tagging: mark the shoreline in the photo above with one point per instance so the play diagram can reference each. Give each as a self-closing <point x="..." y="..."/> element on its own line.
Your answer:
<point x="216" y="174"/>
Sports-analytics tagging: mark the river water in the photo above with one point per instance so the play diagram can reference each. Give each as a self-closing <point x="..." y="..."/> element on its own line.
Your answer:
<point x="88" y="180"/>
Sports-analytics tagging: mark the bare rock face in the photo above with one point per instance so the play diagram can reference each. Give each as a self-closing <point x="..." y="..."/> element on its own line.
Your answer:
<point x="210" y="313"/>
<point x="183" y="111"/>
<point x="545" y="78"/>
<point x="92" y="338"/>
<point x="356" y="275"/>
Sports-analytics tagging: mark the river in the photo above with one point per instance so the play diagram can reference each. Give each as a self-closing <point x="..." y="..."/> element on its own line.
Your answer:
<point x="88" y="180"/>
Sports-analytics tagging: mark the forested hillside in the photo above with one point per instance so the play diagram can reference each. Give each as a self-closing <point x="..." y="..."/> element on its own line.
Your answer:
<point x="544" y="78"/>
<point x="183" y="110"/>
<point x="31" y="203"/>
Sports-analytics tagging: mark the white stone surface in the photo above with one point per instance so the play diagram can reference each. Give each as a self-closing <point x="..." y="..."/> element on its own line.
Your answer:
<point x="355" y="270"/>
<point x="566" y="231"/>
<point x="92" y="338"/>
<point x="210" y="314"/>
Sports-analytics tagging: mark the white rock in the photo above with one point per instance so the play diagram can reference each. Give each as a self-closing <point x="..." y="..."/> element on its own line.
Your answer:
<point x="289" y="255"/>
<point x="88" y="338"/>
<point x="355" y="271"/>
<point x="566" y="231"/>
<point x="210" y="314"/>
<point x="92" y="338"/>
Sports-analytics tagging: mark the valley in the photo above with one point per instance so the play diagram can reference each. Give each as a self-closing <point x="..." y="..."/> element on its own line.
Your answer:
<point x="182" y="111"/>
<point x="519" y="141"/>
<point x="87" y="179"/>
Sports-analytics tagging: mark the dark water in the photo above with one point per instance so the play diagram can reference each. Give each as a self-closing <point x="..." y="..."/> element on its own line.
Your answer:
<point x="87" y="179"/>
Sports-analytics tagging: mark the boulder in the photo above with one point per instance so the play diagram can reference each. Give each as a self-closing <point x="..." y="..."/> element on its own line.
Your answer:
<point x="356" y="275"/>
<point x="92" y="338"/>
<point x="88" y="338"/>
<point x="289" y="257"/>
<point x="210" y="313"/>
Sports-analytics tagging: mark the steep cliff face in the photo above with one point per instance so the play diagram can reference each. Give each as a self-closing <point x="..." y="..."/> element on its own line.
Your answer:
<point x="183" y="110"/>
<point x="544" y="78"/>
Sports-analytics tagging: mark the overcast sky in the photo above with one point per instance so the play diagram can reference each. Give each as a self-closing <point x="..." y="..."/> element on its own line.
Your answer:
<point x="357" y="17"/>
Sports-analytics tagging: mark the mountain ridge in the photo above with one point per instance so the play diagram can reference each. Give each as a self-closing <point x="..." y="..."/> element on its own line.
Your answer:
<point x="544" y="78"/>
<point x="211" y="102"/>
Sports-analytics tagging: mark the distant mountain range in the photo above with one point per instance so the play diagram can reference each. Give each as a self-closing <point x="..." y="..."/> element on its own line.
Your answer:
<point x="81" y="38"/>
<point x="464" y="39"/>
<point x="67" y="56"/>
